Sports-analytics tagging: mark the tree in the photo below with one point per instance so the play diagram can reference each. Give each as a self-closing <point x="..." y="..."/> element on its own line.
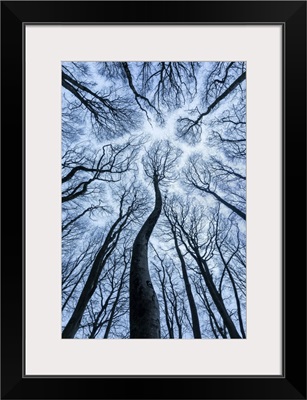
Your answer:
<point x="169" y="316"/>
<point x="222" y="81"/>
<point x="157" y="87"/>
<point x="153" y="200"/>
<point x="168" y="209"/>
<point x="172" y="295"/>
<point x="191" y="224"/>
<point x="83" y="166"/>
<point x="198" y="175"/>
<point x="128" y="205"/>
<point x="110" y="114"/>
<point x="109" y="303"/>
<point x="229" y="243"/>
<point x="158" y="164"/>
<point x="74" y="267"/>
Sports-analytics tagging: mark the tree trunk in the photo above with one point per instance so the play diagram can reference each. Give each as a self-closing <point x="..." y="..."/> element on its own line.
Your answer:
<point x="144" y="306"/>
<point x="111" y="316"/>
<point x="167" y="314"/>
<point x="193" y="309"/>
<point x="91" y="284"/>
<point x="217" y="299"/>
<point x="87" y="292"/>
<point x="235" y="293"/>
<point x="230" y="206"/>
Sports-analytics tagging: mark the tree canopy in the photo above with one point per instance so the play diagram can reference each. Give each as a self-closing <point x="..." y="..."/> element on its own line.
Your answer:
<point x="154" y="200"/>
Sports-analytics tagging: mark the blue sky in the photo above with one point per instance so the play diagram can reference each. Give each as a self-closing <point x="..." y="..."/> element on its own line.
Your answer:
<point x="83" y="143"/>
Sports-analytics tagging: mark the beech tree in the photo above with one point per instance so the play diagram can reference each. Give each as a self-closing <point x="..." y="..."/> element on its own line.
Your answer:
<point x="203" y="176"/>
<point x="168" y="210"/>
<point x="190" y="222"/>
<point x="154" y="200"/>
<point x="173" y="299"/>
<point x="158" y="164"/>
<point x="108" y="306"/>
<point x="128" y="205"/>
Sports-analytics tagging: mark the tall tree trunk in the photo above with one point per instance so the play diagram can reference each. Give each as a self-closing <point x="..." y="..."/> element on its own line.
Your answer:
<point x="213" y="321"/>
<point x="144" y="306"/>
<point x="92" y="281"/>
<point x="168" y="318"/>
<point x="114" y="306"/>
<point x="87" y="292"/>
<point x="235" y="293"/>
<point x="217" y="299"/>
<point x="193" y="309"/>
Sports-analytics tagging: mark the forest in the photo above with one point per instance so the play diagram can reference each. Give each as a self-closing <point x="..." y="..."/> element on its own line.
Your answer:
<point x="154" y="200"/>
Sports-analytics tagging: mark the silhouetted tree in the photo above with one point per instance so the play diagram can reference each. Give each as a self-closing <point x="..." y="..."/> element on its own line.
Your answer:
<point x="154" y="153"/>
<point x="128" y="205"/>
<point x="158" y="163"/>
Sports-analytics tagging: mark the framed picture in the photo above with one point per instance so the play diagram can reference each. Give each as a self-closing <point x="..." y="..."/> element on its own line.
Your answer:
<point x="178" y="132"/>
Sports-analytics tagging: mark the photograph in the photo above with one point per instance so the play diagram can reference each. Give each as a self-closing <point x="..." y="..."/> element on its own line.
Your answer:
<point x="154" y="200"/>
<point x="157" y="155"/>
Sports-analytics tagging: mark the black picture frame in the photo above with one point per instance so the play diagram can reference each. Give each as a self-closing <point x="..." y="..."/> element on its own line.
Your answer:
<point x="292" y="16"/>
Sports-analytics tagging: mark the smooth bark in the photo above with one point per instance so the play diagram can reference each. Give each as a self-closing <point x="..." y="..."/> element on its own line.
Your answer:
<point x="144" y="306"/>
<point x="92" y="281"/>
<point x="193" y="309"/>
